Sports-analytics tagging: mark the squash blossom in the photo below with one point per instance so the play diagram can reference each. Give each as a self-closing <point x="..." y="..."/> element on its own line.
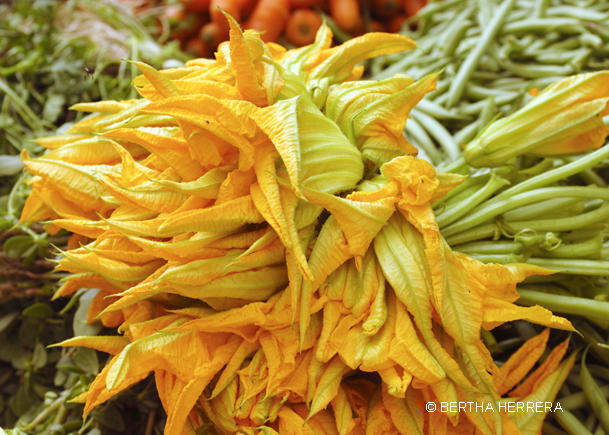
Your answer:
<point x="247" y="266"/>
<point x="566" y="118"/>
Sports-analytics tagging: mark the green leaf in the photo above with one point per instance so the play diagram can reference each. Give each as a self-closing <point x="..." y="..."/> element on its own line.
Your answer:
<point x="38" y="310"/>
<point x="6" y="320"/>
<point x="39" y="357"/>
<point x="66" y="363"/>
<point x="109" y="417"/>
<point x="53" y="107"/>
<point x="10" y="165"/>
<point x="86" y="359"/>
<point x="81" y="327"/>
<point x="16" y="246"/>
<point x="23" y="400"/>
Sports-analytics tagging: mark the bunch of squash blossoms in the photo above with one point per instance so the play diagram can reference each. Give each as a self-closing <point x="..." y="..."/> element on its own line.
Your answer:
<point x="249" y="260"/>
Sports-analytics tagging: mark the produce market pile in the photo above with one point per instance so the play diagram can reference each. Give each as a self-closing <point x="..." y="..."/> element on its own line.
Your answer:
<point x="200" y="26"/>
<point x="254" y="258"/>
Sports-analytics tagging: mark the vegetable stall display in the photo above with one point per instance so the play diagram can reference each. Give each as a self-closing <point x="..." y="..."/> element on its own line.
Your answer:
<point x="244" y="245"/>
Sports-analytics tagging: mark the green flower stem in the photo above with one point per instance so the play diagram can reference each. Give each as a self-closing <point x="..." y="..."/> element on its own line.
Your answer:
<point x="459" y="166"/>
<point x="575" y="250"/>
<point x="557" y="174"/>
<point x="492" y="209"/>
<point x="451" y="215"/>
<point x="544" y="208"/>
<point x="468" y="183"/>
<point x="564" y="304"/>
<point x="585" y="220"/>
<point x="573" y="267"/>
<point x="489" y="340"/>
<point x="478" y="233"/>
<point x="499" y="259"/>
<point x="585" y="233"/>
<point x="490" y="248"/>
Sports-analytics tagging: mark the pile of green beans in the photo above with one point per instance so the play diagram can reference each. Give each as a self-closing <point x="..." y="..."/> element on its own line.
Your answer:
<point x="492" y="54"/>
<point x="553" y="212"/>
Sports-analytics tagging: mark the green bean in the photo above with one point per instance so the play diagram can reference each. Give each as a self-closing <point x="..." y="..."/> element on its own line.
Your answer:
<point x="591" y="336"/>
<point x="423" y="140"/>
<point x="438" y="112"/>
<point x="578" y="13"/>
<point x="551" y="57"/>
<point x="570" y="423"/>
<point x="540" y="8"/>
<point x="594" y="395"/>
<point x="487" y="114"/>
<point x="567" y="44"/>
<point x="432" y="8"/>
<point x="600" y="431"/>
<point x="510" y="343"/>
<point x="536" y="71"/>
<point x="467" y="133"/>
<point x="543" y="25"/>
<point x="541" y="43"/>
<point x="440" y="133"/>
<point x="470" y="63"/>
<point x="563" y="304"/>
<point x="486" y="75"/>
<point x="548" y="429"/>
<point x="591" y="40"/>
<point x="590" y="422"/>
<point x="456" y="36"/>
<point x="500" y="97"/>
<point x="441" y="87"/>
<point x="578" y="400"/>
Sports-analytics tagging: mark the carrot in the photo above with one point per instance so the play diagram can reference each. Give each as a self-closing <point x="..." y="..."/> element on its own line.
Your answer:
<point x="385" y="9"/>
<point x="413" y="6"/>
<point x="195" y="6"/>
<point x="211" y="34"/>
<point x="302" y="26"/>
<point x="376" y="26"/>
<point x="247" y="6"/>
<point x="346" y="14"/>
<point x="197" y="48"/>
<point x="395" y="25"/>
<point x="231" y="7"/>
<point x="304" y="3"/>
<point x="270" y="16"/>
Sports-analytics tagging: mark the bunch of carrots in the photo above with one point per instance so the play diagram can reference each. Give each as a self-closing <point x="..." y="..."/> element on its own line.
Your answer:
<point x="200" y="26"/>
